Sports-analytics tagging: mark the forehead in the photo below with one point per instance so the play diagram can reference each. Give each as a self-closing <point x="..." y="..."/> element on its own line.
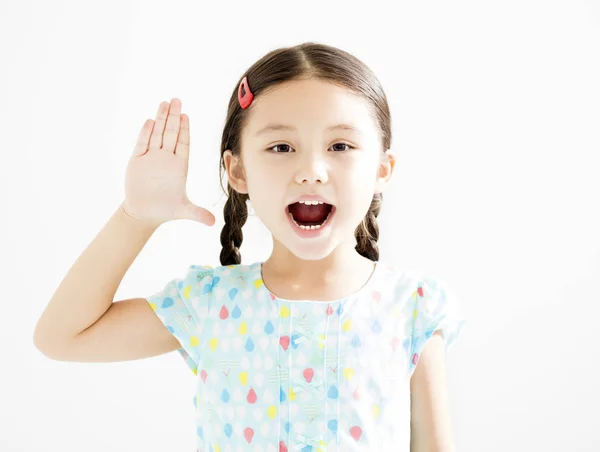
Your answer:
<point x="309" y="105"/>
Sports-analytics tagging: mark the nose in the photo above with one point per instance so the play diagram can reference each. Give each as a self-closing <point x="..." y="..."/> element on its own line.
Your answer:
<point x="312" y="168"/>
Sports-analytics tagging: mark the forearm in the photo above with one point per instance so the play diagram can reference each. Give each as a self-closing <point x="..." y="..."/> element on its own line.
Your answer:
<point x="88" y="289"/>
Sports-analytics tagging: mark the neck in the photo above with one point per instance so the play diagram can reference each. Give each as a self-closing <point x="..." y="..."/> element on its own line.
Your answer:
<point x="343" y="262"/>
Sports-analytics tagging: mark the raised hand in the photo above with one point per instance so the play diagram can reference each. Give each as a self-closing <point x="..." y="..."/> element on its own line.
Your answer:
<point x="156" y="176"/>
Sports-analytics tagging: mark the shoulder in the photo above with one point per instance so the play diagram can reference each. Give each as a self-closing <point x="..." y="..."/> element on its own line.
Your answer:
<point x="406" y="284"/>
<point x="399" y="284"/>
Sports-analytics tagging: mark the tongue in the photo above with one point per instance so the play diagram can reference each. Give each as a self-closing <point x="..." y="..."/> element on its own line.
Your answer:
<point x="309" y="214"/>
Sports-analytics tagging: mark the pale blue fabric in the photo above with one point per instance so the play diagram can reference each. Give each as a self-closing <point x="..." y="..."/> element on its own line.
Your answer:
<point x="276" y="375"/>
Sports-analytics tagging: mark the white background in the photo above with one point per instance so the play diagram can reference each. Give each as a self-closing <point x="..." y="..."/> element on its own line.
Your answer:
<point x="496" y="124"/>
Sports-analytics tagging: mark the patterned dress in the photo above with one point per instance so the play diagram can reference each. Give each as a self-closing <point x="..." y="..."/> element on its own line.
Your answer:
<point x="300" y="375"/>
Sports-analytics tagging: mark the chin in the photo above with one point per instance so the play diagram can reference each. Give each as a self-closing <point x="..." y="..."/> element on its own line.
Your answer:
<point x="315" y="246"/>
<point x="306" y="249"/>
<point x="314" y="249"/>
<point x="310" y="253"/>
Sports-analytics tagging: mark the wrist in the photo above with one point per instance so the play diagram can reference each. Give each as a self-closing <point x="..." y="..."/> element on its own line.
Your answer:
<point x="142" y="224"/>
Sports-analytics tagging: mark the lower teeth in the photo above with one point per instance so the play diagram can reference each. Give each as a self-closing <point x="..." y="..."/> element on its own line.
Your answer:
<point x="310" y="228"/>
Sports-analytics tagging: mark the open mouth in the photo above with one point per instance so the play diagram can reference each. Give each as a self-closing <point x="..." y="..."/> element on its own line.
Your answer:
<point x="310" y="215"/>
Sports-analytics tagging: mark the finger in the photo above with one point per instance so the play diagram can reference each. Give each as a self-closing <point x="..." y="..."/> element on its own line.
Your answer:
<point x="183" y="143"/>
<point x="207" y="218"/>
<point x="197" y="213"/>
<point x="141" y="145"/>
<point x="159" y="126"/>
<point x="172" y="126"/>
<point x="202" y="215"/>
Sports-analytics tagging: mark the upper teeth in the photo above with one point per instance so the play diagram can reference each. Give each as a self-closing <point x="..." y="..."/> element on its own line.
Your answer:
<point x="314" y="203"/>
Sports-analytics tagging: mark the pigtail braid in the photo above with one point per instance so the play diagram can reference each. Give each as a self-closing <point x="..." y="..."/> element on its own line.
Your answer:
<point x="235" y="214"/>
<point x="367" y="232"/>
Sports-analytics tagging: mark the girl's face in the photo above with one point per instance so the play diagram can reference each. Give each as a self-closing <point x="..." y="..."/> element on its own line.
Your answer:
<point x="310" y="157"/>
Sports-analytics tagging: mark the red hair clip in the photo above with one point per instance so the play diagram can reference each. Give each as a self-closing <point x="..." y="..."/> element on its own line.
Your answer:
<point x="245" y="96"/>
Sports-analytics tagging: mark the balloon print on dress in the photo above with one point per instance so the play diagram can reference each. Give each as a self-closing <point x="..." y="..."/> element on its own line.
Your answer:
<point x="395" y="343"/>
<point x="248" y="434"/>
<point x="376" y="295"/>
<point x="225" y="396"/>
<point x="376" y="411"/>
<point x="356" y="432"/>
<point x="333" y="425"/>
<point x="284" y="312"/>
<point x="282" y="395"/>
<point x="269" y="327"/>
<point x="333" y="392"/>
<point x="251" y="396"/>
<point x="376" y="328"/>
<point x="224" y="313"/>
<point x="308" y="374"/>
<point x="415" y="359"/>
<point x="348" y="373"/>
<point x="285" y="342"/>
<point x="294" y="344"/>
<point x="347" y="325"/>
<point x="167" y="303"/>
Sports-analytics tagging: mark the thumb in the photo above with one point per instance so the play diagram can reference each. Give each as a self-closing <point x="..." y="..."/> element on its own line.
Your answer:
<point x="196" y="213"/>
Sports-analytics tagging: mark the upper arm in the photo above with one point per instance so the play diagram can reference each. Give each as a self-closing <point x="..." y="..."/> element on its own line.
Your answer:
<point x="170" y="319"/>
<point x="430" y="420"/>
<point x="434" y="322"/>
<point x="128" y="330"/>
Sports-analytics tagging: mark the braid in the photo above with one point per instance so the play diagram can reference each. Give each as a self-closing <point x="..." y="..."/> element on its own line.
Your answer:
<point x="367" y="233"/>
<point x="235" y="214"/>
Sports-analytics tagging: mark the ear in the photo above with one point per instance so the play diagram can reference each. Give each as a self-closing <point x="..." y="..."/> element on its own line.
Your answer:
<point x="385" y="170"/>
<point x="235" y="172"/>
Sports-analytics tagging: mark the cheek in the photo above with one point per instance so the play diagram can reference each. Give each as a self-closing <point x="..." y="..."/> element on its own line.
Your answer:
<point x="361" y="177"/>
<point x="266" y="180"/>
<point x="266" y="187"/>
<point x="261" y="169"/>
<point x="358" y="199"/>
<point x="359" y="188"/>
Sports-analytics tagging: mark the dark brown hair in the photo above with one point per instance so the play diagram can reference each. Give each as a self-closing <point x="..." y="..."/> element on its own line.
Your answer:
<point x="307" y="60"/>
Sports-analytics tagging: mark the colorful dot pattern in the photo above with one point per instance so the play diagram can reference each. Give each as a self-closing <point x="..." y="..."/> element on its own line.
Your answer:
<point x="300" y="375"/>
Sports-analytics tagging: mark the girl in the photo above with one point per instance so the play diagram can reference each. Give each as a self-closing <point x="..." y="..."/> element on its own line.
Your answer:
<point x="321" y="347"/>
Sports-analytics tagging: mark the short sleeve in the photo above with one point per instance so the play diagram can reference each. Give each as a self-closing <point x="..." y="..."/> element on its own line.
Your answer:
<point x="434" y="307"/>
<point x="182" y="306"/>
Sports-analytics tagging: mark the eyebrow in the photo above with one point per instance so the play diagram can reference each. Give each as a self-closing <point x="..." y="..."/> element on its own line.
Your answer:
<point x="279" y="127"/>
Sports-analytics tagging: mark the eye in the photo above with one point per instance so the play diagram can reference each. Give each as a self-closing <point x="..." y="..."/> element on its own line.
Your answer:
<point x="345" y="144"/>
<point x="289" y="147"/>
<point x="281" y="144"/>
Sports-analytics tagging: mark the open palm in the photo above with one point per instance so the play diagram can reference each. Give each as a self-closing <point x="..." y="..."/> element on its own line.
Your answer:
<point x="156" y="176"/>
